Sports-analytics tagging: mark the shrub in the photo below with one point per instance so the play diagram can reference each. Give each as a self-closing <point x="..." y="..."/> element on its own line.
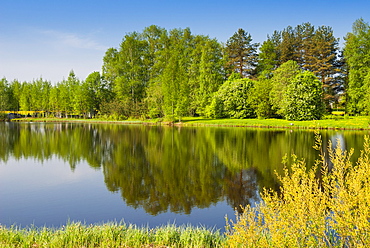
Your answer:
<point x="332" y="210"/>
<point x="4" y="117"/>
<point x="303" y="98"/>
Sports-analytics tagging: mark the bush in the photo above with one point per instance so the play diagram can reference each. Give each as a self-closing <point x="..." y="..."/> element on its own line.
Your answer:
<point x="4" y="117"/>
<point x="304" y="98"/>
<point x="330" y="211"/>
<point x="232" y="100"/>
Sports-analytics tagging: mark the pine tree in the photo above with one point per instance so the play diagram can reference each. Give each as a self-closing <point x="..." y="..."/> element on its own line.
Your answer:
<point x="269" y="56"/>
<point x="321" y="59"/>
<point x="242" y="54"/>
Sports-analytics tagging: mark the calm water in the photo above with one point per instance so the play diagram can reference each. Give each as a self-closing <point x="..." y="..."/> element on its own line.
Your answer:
<point x="94" y="173"/>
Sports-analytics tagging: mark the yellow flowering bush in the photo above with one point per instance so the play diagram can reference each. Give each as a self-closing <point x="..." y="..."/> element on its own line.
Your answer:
<point x="327" y="205"/>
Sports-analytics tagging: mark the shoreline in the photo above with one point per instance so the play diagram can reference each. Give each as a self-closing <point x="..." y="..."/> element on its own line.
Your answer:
<point x="360" y="123"/>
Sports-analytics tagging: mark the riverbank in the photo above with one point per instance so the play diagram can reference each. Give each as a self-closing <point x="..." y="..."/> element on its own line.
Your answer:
<point x="110" y="235"/>
<point x="332" y="123"/>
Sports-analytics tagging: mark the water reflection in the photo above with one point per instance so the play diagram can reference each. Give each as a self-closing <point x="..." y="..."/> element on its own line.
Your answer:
<point x="173" y="169"/>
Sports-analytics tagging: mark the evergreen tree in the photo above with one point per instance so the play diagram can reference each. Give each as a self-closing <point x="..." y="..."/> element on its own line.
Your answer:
<point x="242" y="54"/>
<point x="289" y="46"/>
<point x="321" y="59"/>
<point x="269" y="56"/>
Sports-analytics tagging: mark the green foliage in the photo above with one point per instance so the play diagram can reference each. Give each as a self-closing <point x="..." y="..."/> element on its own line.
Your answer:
<point x="113" y="110"/>
<point x="173" y="74"/>
<point x="260" y="98"/>
<point x="282" y="77"/>
<point x="313" y="49"/>
<point x="216" y="108"/>
<point x="4" y="94"/>
<point x="3" y="117"/>
<point x="210" y="77"/>
<point x="357" y="55"/>
<point x="15" y="89"/>
<point x="97" y="92"/>
<point x="242" y="53"/>
<point x="233" y="100"/>
<point x="129" y="85"/>
<point x="303" y="98"/>
<point x="268" y="58"/>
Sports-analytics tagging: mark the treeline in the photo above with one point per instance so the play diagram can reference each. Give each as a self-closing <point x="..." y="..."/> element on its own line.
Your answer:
<point x="298" y="73"/>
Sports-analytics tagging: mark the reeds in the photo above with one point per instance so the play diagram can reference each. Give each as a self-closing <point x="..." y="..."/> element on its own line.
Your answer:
<point x="110" y="235"/>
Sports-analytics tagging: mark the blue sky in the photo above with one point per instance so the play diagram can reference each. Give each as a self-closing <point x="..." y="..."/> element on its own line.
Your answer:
<point x="44" y="38"/>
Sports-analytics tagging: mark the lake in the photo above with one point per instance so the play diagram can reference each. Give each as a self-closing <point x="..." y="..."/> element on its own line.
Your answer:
<point x="52" y="173"/>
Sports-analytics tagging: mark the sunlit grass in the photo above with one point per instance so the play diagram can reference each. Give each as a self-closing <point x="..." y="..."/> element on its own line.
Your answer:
<point x="353" y="122"/>
<point x="331" y="122"/>
<point x="110" y="235"/>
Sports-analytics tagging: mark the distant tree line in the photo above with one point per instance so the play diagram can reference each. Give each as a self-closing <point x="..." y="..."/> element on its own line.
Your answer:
<point x="298" y="73"/>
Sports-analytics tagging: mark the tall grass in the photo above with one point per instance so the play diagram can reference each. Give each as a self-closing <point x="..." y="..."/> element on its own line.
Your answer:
<point x="110" y="235"/>
<point x="332" y="210"/>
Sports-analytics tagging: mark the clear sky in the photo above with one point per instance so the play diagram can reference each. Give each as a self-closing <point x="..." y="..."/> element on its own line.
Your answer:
<point x="45" y="38"/>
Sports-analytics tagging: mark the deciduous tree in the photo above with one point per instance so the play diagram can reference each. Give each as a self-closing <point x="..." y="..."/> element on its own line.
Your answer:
<point x="357" y="55"/>
<point x="304" y="98"/>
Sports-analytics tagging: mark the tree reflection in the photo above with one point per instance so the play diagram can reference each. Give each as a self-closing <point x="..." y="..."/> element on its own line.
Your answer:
<point x="241" y="189"/>
<point x="167" y="168"/>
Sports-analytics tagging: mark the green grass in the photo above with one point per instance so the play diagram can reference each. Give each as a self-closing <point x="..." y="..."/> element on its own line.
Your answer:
<point x="332" y="122"/>
<point x="110" y="235"/>
<point x="329" y="122"/>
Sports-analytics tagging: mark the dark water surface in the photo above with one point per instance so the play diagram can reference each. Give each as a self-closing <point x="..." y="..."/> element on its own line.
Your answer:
<point x="145" y="175"/>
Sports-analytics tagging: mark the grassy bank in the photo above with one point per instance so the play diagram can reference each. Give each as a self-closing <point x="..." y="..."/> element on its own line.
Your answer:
<point x="110" y="235"/>
<point x="356" y="123"/>
<point x="333" y="122"/>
